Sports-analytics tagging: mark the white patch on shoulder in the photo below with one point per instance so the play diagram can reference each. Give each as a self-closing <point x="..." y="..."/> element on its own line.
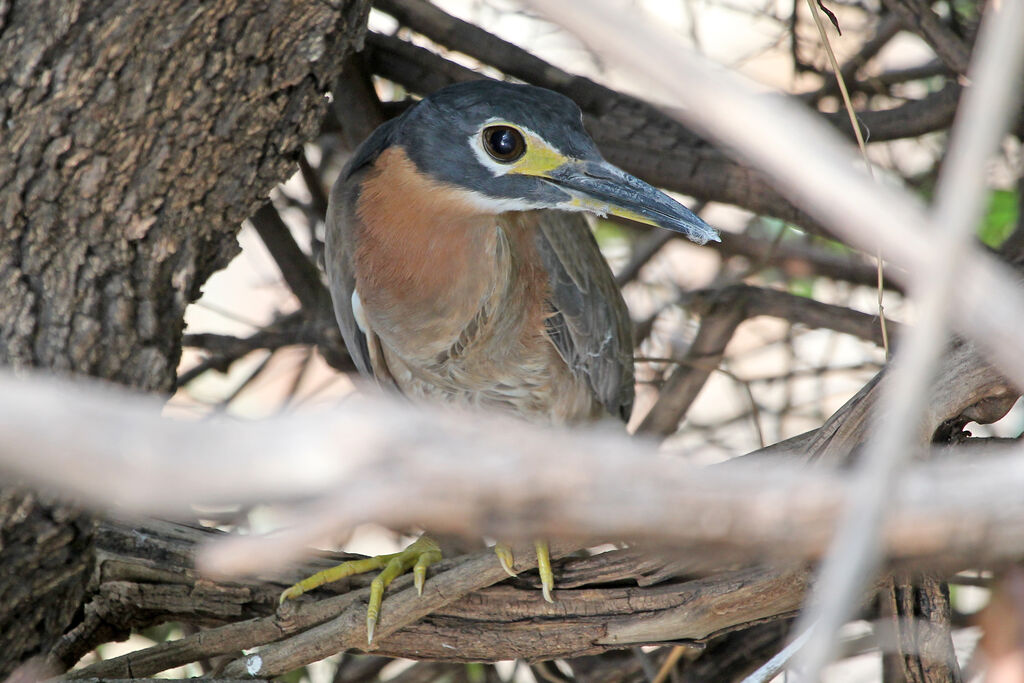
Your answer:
<point x="357" y="311"/>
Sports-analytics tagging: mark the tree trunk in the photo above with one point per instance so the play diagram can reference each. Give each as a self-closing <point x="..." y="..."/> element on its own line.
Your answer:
<point x="136" y="137"/>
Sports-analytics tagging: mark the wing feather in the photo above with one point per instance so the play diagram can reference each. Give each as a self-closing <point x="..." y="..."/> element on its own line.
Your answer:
<point x="341" y="221"/>
<point x="589" y="324"/>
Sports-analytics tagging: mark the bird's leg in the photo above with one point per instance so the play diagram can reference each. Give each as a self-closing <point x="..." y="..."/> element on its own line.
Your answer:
<point x="418" y="556"/>
<point x="547" y="577"/>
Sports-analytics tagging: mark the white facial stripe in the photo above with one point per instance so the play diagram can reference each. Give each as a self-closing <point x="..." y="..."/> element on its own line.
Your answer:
<point x="495" y="205"/>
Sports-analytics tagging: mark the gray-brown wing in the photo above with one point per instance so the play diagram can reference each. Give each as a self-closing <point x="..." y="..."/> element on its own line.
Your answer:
<point x="590" y="324"/>
<point x="339" y="239"/>
<point x="340" y="275"/>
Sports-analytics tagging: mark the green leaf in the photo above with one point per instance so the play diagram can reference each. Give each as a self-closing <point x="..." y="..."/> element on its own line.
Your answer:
<point x="1000" y="218"/>
<point x="475" y="672"/>
<point x="802" y="286"/>
<point x="607" y="232"/>
<point x="295" y="676"/>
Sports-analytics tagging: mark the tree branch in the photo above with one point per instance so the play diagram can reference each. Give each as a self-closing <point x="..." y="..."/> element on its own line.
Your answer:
<point x="400" y="453"/>
<point x="797" y="259"/>
<point x="911" y="119"/>
<point x="299" y="272"/>
<point x="917" y="16"/>
<point x="885" y="31"/>
<point x="291" y="329"/>
<point x="973" y="516"/>
<point x="722" y="310"/>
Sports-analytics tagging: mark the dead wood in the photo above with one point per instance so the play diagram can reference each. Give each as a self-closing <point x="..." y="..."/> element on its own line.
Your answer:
<point x="132" y="588"/>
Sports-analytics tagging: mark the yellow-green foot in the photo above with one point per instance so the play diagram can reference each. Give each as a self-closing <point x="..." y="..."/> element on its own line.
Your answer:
<point x="418" y="556"/>
<point x="505" y="557"/>
<point x="547" y="577"/>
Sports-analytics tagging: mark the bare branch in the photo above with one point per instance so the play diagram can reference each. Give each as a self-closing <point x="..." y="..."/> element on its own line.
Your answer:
<point x="718" y="323"/>
<point x="911" y="119"/>
<point x="804" y="259"/>
<point x="584" y="620"/>
<point x="369" y="453"/>
<point x="985" y="116"/>
<point x="348" y="629"/>
<point x="917" y="16"/>
<point x="885" y="31"/>
<point x="787" y="142"/>
<point x="298" y="270"/>
<point x="722" y="310"/>
<point x="293" y="328"/>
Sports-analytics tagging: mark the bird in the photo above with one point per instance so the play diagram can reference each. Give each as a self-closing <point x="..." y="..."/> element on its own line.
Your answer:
<point x="462" y="271"/>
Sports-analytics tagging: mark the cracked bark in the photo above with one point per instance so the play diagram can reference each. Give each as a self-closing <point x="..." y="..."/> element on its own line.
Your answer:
<point x="136" y="138"/>
<point x="918" y="623"/>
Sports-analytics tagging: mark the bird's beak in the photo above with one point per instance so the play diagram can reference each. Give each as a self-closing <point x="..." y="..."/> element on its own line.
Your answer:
<point x="605" y="189"/>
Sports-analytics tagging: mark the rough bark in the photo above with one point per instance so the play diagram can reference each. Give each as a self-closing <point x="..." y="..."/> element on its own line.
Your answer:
<point x="145" y="576"/>
<point x="136" y="138"/>
<point x="917" y="631"/>
<point x="139" y="136"/>
<point x="46" y="556"/>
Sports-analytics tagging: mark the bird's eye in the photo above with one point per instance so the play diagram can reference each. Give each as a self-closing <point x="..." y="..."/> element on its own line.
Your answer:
<point x="504" y="143"/>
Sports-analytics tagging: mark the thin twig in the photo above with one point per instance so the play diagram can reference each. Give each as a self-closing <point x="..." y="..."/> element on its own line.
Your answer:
<point x="298" y="270"/>
<point x="774" y="666"/>
<point x="862" y="146"/>
<point x="985" y="114"/>
<point x="669" y="664"/>
<point x="885" y="31"/>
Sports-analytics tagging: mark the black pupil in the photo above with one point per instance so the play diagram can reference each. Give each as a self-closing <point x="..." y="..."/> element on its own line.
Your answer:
<point x="504" y="142"/>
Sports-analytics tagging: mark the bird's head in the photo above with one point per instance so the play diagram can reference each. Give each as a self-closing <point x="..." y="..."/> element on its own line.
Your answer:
<point x="519" y="147"/>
